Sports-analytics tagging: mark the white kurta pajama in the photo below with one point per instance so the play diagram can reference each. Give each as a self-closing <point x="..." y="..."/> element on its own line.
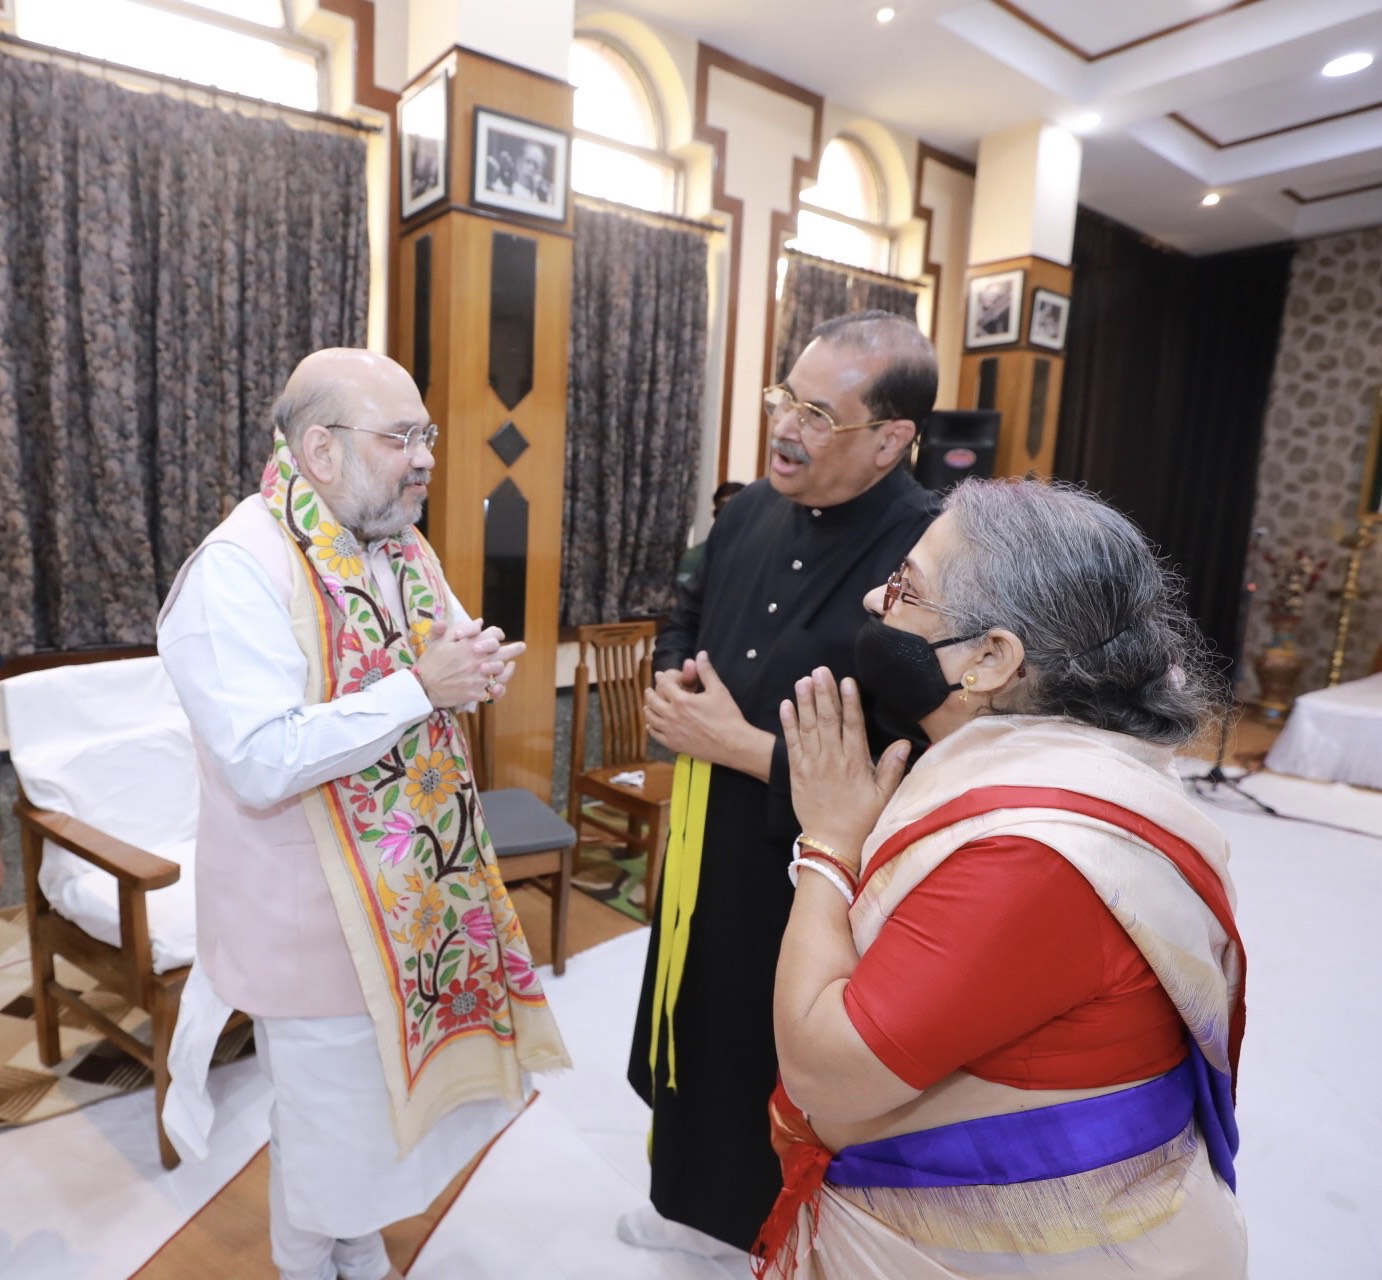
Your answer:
<point x="269" y="939"/>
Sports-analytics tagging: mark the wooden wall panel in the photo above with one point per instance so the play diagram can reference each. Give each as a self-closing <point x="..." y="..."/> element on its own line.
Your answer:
<point x="463" y="404"/>
<point x="1017" y="372"/>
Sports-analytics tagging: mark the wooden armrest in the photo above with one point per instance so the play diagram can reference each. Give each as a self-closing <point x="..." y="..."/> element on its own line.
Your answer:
<point x="128" y="863"/>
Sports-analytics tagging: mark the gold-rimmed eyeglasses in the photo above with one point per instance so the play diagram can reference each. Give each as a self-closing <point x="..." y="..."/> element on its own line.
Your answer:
<point x="818" y="423"/>
<point x="410" y="440"/>
<point x="898" y="588"/>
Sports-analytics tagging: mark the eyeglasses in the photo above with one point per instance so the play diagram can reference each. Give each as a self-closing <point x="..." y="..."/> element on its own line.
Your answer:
<point x="410" y="439"/>
<point x="815" y="422"/>
<point x="897" y="588"/>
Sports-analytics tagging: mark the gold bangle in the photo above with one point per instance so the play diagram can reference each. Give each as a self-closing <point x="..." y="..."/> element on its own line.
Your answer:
<point x="823" y="850"/>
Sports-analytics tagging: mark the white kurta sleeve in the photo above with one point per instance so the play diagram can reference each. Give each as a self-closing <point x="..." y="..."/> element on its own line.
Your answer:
<point x="227" y="642"/>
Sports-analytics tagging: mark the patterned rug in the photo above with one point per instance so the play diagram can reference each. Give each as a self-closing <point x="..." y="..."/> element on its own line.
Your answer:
<point x="609" y="875"/>
<point x="93" y="1069"/>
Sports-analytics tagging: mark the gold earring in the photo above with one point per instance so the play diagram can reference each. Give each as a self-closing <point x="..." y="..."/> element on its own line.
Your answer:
<point x="970" y="680"/>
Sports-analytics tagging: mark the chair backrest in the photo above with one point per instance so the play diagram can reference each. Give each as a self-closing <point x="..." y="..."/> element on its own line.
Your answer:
<point x="106" y="742"/>
<point x="619" y="656"/>
<point x="479" y="733"/>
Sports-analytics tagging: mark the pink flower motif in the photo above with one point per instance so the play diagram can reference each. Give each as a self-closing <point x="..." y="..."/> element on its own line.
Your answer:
<point x="408" y="544"/>
<point x="373" y="667"/>
<point x="519" y="969"/>
<point x="336" y="591"/>
<point x="394" y="846"/>
<point x="478" y="925"/>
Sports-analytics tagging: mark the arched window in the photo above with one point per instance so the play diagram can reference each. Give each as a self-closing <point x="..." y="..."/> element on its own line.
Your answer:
<point x="842" y="216"/>
<point x="243" y="46"/>
<point x="617" y="153"/>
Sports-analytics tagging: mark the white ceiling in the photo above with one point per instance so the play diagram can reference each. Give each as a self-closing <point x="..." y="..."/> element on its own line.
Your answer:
<point x="1194" y="95"/>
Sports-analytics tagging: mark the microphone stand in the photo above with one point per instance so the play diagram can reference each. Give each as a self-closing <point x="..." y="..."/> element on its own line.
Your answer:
<point x="1216" y="777"/>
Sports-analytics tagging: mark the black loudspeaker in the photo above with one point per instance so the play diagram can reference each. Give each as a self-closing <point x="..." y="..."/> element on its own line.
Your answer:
<point x="955" y="444"/>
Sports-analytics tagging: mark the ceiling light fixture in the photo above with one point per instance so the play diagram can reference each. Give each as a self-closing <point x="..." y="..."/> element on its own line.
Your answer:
<point x="1347" y="64"/>
<point x="1210" y="200"/>
<point x="1086" y="123"/>
<point x="885" y="15"/>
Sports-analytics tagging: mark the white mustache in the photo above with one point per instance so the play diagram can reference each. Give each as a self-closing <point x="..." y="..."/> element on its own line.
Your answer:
<point x="791" y="450"/>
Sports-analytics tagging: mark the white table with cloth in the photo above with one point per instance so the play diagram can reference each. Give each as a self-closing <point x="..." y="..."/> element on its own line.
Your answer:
<point x="1334" y="735"/>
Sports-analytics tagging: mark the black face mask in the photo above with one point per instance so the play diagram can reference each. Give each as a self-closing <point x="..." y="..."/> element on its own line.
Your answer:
<point x="902" y="674"/>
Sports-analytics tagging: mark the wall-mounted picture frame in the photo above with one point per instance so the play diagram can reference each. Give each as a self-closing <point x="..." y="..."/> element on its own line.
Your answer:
<point x="424" y="162"/>
<point x="994" y="314"/>
<point x="1370" y="499"/>
<point x="519" y="166"/>
<point x="1050" y="312"/>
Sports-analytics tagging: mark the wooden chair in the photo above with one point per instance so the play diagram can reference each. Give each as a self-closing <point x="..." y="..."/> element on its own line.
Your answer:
<point x="129" y="964"/>
<point x="621" y="653"/>
<point x="530" y="840"/>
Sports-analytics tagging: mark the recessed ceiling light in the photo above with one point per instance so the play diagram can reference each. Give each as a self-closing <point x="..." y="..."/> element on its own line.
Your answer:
<point x="1347" y="65"/>
<point x="1210" y="200"/>
<point x="1087" y="122"/>
<point x="885" y="15"/>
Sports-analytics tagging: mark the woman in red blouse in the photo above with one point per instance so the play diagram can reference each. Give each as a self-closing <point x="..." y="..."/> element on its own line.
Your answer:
<point x="1010" y="996"/>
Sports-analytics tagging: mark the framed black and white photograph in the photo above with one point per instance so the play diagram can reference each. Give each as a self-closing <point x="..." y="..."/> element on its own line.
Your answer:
<point x="422" y="149"/>
<point x="994" y="315"/>
<point x="519" y="166"/>
<point x="1050" y="311"/>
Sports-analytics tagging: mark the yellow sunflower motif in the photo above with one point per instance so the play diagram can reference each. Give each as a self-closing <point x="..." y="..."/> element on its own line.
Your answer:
<point x="426" y="917"/>
<point x="338" y="547"/>
<point x="432" y="780"/>
<point x="419" y="631"/>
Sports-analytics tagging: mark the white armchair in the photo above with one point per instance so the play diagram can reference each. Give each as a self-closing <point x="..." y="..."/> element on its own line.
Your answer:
<point x="107" y="813"/>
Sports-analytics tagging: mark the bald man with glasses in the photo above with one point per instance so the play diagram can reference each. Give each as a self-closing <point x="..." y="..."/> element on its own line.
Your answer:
<point x="780" y="592"/>
<point x="347" y="895"/>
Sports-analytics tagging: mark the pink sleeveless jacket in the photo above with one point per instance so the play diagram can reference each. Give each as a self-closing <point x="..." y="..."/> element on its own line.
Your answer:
<point x="267" y="932"/>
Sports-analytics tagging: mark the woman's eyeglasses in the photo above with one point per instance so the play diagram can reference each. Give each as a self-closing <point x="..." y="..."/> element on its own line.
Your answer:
<point x="898" y="588"/>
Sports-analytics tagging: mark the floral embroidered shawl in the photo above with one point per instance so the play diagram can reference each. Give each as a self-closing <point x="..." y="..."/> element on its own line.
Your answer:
<point x="446" y="971"/>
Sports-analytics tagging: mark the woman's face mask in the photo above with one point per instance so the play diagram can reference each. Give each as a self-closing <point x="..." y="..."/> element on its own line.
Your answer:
<point x="902" y="673"/>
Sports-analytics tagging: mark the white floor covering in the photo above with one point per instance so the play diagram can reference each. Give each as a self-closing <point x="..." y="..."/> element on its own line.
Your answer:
<point x="83" y="1197"/>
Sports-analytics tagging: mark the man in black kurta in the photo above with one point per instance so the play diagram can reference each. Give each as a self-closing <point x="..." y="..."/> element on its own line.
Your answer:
<point x="780" y="592"/>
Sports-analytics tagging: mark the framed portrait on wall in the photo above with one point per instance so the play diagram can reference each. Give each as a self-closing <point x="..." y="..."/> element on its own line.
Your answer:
<point x="519" y="166"/>
<point x="1370" y="500"/>
<point x="1050" y="311"/>
<point x="994" y="314"/>
<point x="422" y="143"/>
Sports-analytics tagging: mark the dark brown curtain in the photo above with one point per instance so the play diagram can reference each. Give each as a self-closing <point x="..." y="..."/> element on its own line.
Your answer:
<point x="639" y="299"/>
<point x="867" y="293"/>
<point x="813" y="291"/>
<point x="1168" y="364"/>
<point x="163" y="265"/>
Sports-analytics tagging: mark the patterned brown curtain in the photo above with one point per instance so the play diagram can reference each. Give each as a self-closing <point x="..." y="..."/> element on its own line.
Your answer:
<point x="163" y="265"/>
<point x="639" y="299"/>
<point x="813" y="291"/>
<point x="868" y="293"/>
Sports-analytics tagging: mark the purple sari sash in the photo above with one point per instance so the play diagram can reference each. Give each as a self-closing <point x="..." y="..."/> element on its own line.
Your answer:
<point x="1053" y="1142"/>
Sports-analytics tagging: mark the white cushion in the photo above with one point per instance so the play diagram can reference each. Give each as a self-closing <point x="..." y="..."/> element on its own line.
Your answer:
<point x="108" y="743"/>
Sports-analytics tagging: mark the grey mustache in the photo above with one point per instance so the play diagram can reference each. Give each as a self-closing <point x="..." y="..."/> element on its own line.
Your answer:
<point x="791" y="450"/>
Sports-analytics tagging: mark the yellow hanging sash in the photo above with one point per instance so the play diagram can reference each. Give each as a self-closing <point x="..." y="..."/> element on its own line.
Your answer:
<point x="681" y="879"/>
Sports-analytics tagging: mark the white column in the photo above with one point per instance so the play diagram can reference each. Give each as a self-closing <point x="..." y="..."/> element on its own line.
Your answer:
<point x="528" y="33"/>
<point x="1026" y="190"/>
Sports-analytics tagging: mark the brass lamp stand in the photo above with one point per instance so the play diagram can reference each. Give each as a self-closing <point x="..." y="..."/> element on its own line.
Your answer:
<point x="1359" y="542"/>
